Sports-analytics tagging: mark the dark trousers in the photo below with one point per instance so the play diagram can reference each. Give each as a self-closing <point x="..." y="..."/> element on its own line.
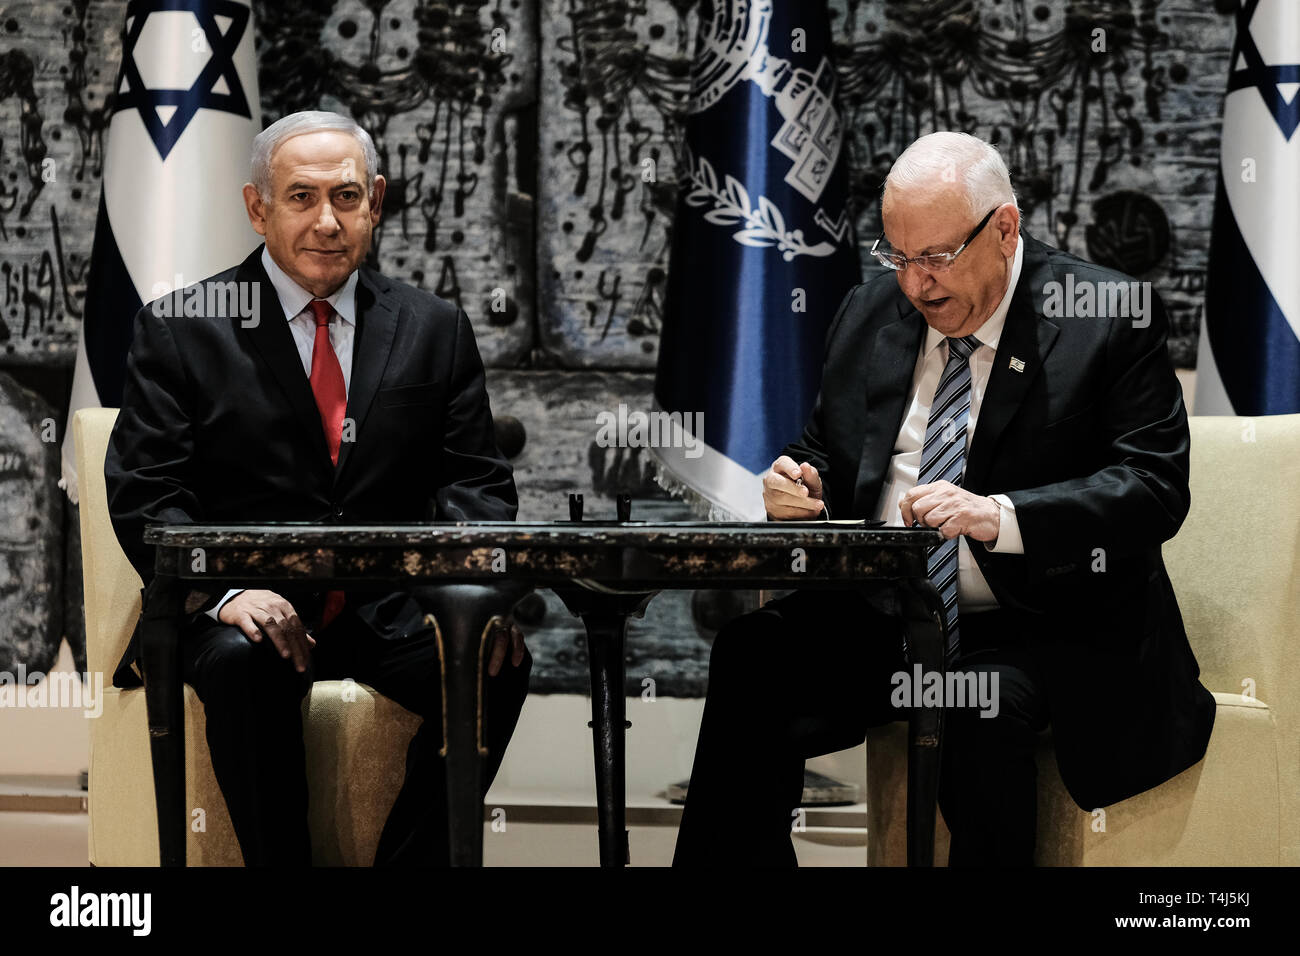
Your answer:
<point x="807" y="675"/>
<point x="252" y="700"/>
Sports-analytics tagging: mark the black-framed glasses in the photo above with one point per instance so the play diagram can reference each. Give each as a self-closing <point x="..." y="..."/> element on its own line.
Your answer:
<point x="934" y="263"/>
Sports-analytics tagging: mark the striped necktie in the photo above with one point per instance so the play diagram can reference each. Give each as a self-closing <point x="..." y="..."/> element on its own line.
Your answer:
<point x="943" y="458"/>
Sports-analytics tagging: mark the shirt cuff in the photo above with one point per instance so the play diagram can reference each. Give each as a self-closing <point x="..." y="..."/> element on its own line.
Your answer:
<point x="213" y="611"/>
<point x="1009" y="540"/>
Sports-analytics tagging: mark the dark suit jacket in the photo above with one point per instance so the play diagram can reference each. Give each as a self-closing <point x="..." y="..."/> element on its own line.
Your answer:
<point x="218" y="423"/>
<point x="1090" y="443"/>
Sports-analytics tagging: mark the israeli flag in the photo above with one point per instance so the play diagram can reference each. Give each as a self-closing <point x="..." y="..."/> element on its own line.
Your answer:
<point x="1249" y="357"/>
<point x="171" y="210"/>
<point x="763" y="250"/>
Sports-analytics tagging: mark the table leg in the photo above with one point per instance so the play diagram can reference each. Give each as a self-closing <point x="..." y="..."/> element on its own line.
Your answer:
<point x="605" y="615"/>
<point x="160" y="660"/>
<point x="464" y="615"/>
<point x="605" y="639"/>
<point x="925" y="626"/>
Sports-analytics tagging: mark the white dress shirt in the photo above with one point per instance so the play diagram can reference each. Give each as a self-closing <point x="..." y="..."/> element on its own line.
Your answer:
<point x="973" y="591"/>
<point x="302" y="323"/>
<point x="294" y="299"/>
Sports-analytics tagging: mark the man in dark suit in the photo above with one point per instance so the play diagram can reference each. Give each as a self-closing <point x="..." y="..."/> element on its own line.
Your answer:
<point x="340" y="396"/>
<point x="1048" y="441"/>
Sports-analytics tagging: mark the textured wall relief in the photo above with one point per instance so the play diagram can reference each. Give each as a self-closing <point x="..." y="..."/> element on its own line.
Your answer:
<point x="615" y="80"/>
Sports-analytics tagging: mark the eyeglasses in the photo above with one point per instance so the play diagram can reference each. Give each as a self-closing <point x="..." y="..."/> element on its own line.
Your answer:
<point x="935" y="263"/>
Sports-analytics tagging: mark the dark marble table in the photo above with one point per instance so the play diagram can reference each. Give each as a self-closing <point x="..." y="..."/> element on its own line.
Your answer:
<point x="468" y="575"/>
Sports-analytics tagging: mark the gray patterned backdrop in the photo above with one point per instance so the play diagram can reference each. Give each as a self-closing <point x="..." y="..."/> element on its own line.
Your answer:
<point x="514" y="135"/>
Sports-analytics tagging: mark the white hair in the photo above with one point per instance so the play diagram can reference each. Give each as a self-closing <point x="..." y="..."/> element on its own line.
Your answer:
<point x="955" y="157"/>
<point x="266" y="142"/>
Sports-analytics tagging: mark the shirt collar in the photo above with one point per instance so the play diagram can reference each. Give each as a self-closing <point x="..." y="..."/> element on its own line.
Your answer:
<point x="294" y="298"/>
<point x="991" y="331"/>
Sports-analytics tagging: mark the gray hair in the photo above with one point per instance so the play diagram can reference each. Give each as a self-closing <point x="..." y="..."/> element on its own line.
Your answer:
<point x="955" y="157"/>
<point x="266" y="142"/>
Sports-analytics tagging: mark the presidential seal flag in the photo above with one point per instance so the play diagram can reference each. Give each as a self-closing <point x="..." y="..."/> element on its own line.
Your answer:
<point x="1249" y="357"/>
<point x="763" y="249"/>
<point x="185" y="112"/>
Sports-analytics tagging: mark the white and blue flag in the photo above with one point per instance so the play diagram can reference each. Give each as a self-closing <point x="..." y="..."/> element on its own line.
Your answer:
<point x="171" y="212"/>
<point x="763" y="248"/>
<point x="1249" y="357"/>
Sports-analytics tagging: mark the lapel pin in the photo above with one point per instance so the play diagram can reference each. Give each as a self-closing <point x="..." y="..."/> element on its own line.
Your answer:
<point x="1017" y="365"/>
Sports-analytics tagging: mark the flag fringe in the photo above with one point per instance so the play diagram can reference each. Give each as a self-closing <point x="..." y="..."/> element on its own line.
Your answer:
<point x="700" y="506"/>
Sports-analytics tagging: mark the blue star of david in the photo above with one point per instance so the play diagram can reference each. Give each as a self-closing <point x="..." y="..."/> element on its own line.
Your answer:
<point x="1264" y="77"/>
<point x="200" y="96"/>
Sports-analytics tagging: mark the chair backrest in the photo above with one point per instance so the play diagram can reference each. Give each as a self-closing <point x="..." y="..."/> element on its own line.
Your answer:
<point x="1235" y="566"/>
<point x="110" y="584"/>
<point x="1235" y="563"/>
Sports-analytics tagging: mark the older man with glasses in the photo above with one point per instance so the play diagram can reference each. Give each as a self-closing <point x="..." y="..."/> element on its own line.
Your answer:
<point x="1050" y="447"/>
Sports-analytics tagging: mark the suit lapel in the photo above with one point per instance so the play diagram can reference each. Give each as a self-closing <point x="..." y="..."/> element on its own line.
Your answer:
<point x="377" y="312"/>
<point x="273" y="341"/>
<point x="889" y="380"/>
<point x="1026" y="339"/>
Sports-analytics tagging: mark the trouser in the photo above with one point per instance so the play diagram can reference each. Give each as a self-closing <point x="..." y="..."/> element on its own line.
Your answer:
<point x="807" y="675"/>
<point x="252" y="700"/>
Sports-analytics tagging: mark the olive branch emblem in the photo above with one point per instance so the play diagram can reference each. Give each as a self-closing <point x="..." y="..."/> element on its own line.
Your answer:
<point x="763" y="227"/>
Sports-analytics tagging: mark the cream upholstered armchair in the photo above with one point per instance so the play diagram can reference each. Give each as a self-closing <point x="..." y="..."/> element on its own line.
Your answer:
<point x="1235" y="566"/>
<point x="356" y="740"/>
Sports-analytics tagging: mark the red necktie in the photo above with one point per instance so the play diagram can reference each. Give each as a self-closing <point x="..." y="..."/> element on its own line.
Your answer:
<point x="327" y="380"/>
<point x="332" y="401"/>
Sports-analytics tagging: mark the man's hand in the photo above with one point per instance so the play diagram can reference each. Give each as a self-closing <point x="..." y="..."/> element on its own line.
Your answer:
<point x="792" y="491"/>
<point x="952" y="510"/>
<point x="507" y="636"/>
<point x="265" y="612"/>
